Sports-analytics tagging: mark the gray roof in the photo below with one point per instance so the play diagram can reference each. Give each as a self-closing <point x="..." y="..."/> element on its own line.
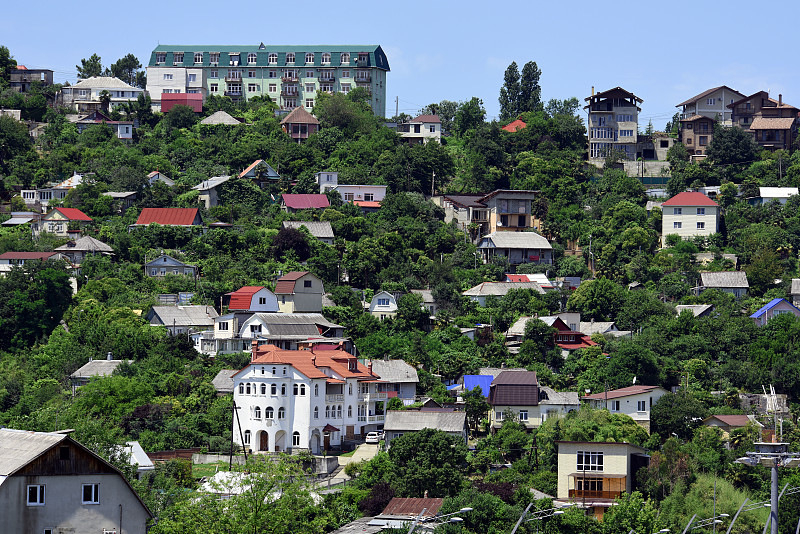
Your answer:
<point x="494" y="371"/>
<point x="85" y="244"/>
<point x="119" y="194"/>
<point x="776" y="192"/>
<point x="319" y="229"/>
<point x="138" y="456"/>
<point x="412" y="420"/>
<point x="223" y="382"/>
<point x="105" y="81"/>
<point x="295" y="319"/>
<point x="395" y="371"/>
<point x="97" y="368"/>
<point x="514" y="240"/>
<point x="291" y="331"/>
<point x="359" y="526"/>
<point x="724" y="279"/>
<point x="696" y="309"/>
<point x="706" y="257"/>
<point x="211" y="183"/>
<point x="19" y="447"/>
<point x="559" y="397"/>
<point x="220" y="117"/>
<point x="193" y="315"/>
<point x="426" y="294"/>
<point x="795" y="286"/>
<point x="596" y="327"/>
<point x="500" y="288"/>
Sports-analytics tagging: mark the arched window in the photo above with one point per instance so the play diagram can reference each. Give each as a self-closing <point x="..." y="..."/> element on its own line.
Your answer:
<point x="283" y="389"/>
<point x="241" y="389"/>
<point x="272" y="59"/>
<point x="262" y="370"/>
<point x="309" y="58"/>
<point x="316" y="412"/>
<point x="349" y="389"/>
<point x="290" y="57"/>
<point x="326" y="59"/>
<point x="339" y="412"/>
<point x="273" y="389"/>
<point x="257" y="412"/>
<point x="345" y="57"/>
<point x="295" y="439"/>
<point x="350" y="411"/>
<point x="269" y="413"/>
<point x="327" y="412"/>
<point x="303" y="390"/>
<point x="281" y="413"/>
<point x="284" y="370"/>
<point x="295" y="389"/>
<point x="247" y="437"/>
<point x="248" y="389"/>
<point x="316" y="390"/>
<point x="263" y="389"/>
<point x="273" y="370"/>
<point x="251" y="58"/>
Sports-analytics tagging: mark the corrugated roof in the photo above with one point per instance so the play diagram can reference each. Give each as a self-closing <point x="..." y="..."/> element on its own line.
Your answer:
<point x="394" y="371"/>
<point x="771" y="304"/>
<point x="300" y="201"/>
<point x="299" y="115"/>
<point x="622" y="392"/>
<point x="27" y="255"/>
<point x="271" y="173"/>
<point x="500" y="288"/>
<point x="97" y="368"/>
<point x="412" y="420"/>
<point x="211" y="183"/>
<point x="296" y="318"/>
<point x="724" y="279"/>
<point x="769" y="123"/>
<point x="318" y="229"/>
<point x="411" y="507"/>
<point x="466" y="201"/>
<point x="516" y="378"/>
<point x="426" y="294"/>
<point x="85" y="244"/>
<point x="776" y="192"/>
<point x="696" y="309"/>
<point x="193" y="315"/>
<point x="72" y="214"/>
<point x="730" y="420"/>
<point x="514" y="388"/>
<point x="550" y="396"/>
<point x="223" y="382"/>
<point x="168" y="216"/>
<point x="367" y="203"/>
<point x="105" y="82"/>
<point x="242" y="297"/>
<point x="19" y="447"/>
<point x="596" y="327"/>
<point x="221" y="117"/>
<point x="529" y="240"/>
<point x="690" y="198"/>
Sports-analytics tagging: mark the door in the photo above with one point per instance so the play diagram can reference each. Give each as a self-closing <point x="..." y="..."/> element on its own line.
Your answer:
<point x="263" y="444"/>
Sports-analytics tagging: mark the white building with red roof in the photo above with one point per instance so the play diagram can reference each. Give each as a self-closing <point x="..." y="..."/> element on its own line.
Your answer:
<point x="690" y="214"/>
<point x="635" y="401"/>
<point x="291" y="400"/>
<point x="299" y="291"/>
<point x="63" y="222"/>
<point x="251" y="298"/>
<point x="421" y="129"/>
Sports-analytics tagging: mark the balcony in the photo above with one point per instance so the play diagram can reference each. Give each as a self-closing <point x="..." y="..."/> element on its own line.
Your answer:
<point x="334" y="398"/>
<point x="375" y="418"/>
<point x="372" y="397"/>
<point x="289" y="79"/>
<point x="234" y="93"/>
<point x="362" y="62"/>
<point x="589" y="494"/>
<point x="363" y="77"/>
<point x="233" y="78"/>
<point x="290" y="91"/>
<point x="326" y="79"/>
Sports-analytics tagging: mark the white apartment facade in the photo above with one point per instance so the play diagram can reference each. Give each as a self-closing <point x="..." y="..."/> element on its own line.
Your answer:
<point x="690" y="214"/>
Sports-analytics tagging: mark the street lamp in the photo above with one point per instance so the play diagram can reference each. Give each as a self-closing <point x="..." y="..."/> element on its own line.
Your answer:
<point x="436" y="520"/>
<point x="772" y="455"/>
<point x="750" y="507"/>
<point x="663" y="530"/>
<point x="711" y="521"/>
<point x="539" y="514"/>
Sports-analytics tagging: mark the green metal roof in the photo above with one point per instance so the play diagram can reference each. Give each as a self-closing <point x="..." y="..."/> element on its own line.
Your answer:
<point x="377" y="58"/>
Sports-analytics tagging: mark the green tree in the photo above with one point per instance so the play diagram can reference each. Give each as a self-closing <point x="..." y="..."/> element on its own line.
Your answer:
<point x="7" y="64"/>
<point x="677" y="414"/>
<point x="510" y="93"/>
<point x="180" y="117"/>
<point x="631" y="513"/>
<point x="469" y="116"/>
<point x="90" y="67"/>
<point x="600" y="299"/>
<point x="14" y="141"/>
<point x="732" y="146"/>
<point x="530" y="92"/>
<point x="127" y="70"/>
<point x="477" y="407"/>
<point x="428" y="460"/>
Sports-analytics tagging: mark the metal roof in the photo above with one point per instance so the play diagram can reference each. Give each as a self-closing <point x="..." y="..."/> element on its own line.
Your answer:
<point x="394" y="371"/>
<point x="300" y="201"/>
<point x="619" y="393"/>
<point x="194" y="315"/>
<point x="299" y="115"/>
<point x="690" y="198"/>
<point x="271" y="319"/>
<point x="724" y="279"/>
<point x="110" y="82"/>
<point x="97" y="368"/>
<point x="318" y="229"/>
<point x="771" y="304"/>
<point x="776" y="192"/>
<point x="411" y="507"/>
<point x="411" y="420"/>
<point x="168" y="216"/>
<point x="696" y="309"/>
<point x="223" y="382"/>
<point x="85" y="244"/>
<point x="500" y="288"/>
<point x="221" y="117"/>
<point x="19" y="447"/>
<point x="211" y="183"/>
<point x="11" y="255"/>
<point x="514" y="240"/>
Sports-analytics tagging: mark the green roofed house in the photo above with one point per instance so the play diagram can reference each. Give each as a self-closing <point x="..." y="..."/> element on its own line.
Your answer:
<point x="290" y="75"/>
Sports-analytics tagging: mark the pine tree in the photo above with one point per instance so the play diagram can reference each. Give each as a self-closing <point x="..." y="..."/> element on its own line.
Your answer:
<point x="509" y="93"/>
<point x="530" y="92"/>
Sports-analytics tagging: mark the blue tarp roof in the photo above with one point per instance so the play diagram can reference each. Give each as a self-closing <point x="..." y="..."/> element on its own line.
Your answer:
<point x="484" y="381"/>
<point x="768" y="306"/>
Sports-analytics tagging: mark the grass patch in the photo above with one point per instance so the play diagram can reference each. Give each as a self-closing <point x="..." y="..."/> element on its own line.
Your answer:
<point x="347" y="454"/>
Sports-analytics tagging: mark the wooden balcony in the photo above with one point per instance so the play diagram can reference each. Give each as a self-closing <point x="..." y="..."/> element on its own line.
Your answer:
<point x="289" y="79"/>
<point x="588" y="494"/>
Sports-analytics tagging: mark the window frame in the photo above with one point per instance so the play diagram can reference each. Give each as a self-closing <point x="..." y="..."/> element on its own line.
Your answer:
<point x="589" y="461"/>
<point x="40" y="494"/>
<point x="252" y="58"/>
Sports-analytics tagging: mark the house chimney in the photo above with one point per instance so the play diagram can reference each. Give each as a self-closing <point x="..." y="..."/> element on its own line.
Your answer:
<point x="253" y="350"/>
<point x="370" y="367"/>
<point x="780" y="100"/>
<point x="593" y="90"/>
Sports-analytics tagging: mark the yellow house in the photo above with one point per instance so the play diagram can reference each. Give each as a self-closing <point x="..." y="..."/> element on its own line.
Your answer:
<point x="592" y="475"/>
<point x="299" y="291"/>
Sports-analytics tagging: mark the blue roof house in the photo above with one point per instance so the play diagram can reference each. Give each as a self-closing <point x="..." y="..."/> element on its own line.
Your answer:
<point x="772" y="309"/>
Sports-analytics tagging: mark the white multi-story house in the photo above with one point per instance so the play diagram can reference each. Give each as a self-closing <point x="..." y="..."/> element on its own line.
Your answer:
<point x="383" y="305"/>
<point x="635" y="401"/>
<point x="368" y="196"/>
<point x="690" y="214"/>
<point x="612" y="123"/>
<point x="85" y="95"/>
<point x="712" y="104"/>
<point x="421" y="129"/>
<point x="291" y="400"/>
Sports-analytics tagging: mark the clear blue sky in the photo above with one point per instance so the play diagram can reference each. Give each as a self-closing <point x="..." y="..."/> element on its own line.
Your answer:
<point x="664" y="52"/>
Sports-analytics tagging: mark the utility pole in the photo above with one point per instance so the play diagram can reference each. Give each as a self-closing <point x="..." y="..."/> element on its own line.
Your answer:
<point x="397" y="108"/>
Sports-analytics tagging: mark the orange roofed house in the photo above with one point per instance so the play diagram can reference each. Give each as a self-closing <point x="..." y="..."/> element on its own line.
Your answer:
<point x="292" y="400"/>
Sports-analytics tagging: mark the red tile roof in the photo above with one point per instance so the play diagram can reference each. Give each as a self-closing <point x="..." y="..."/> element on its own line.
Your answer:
<point x="514" y="126"/>
<point x="732" y="420"/>
<point x="27" y="255"/>
<point x="690" y="198"/>
<point x="168" y="216"/>
<point x="285" y="284"/>
<point x="311" y="363"/>
<point x="367" y="203"/>
<point x="517" y="278"/>
<point x="426" y="118"/>
<point x="617" y="393"/>
<point x="305" y="201"/>
<point x="72" y="214"/>
<point x="242" y="297"/>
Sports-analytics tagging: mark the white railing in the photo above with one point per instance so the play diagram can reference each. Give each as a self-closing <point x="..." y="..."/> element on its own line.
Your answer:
<point x="334" y="398"/>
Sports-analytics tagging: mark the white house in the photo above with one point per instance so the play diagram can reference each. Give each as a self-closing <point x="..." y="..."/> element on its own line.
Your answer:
<point x="383" y="305"/>
<point x="421" y="129"/>
<point x="690" y="214"/>
<point x="251" y="298"/>
<point x="779" y="194"/>
<point x="86" y="94"/>
<point x="357" y="194"/>
<point x="517" y="247"/>
<point x="39" y="199"/>
<point x="519" y="392"/>
<point x="400" y="377"/>
<point x="304" y="400"/>
<point x="635" y="401"/>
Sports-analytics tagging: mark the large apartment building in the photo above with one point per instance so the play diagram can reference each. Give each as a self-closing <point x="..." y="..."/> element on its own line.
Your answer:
<point x="291" y="76"/>
<point x="612" y="123"/>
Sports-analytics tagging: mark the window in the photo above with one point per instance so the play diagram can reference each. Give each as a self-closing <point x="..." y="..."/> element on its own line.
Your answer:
<point x="309" y="74"/>
<point x="701" y="226"/>
<point x="339" y="412"/>
<point x="383" y="302"/>
<point x="316" y="390"/>
<point x="710" y="101"/>
<point x="432" y="128"/>
<point x="223" y="325"/>
<point x="626" y="133"/>
<point x="589" y="484"/>
<point x="289" y="103"/>
<point x="327" y="412"/>
<point x="688" y="140"/>
<point x="153" y="272"/>
<point x="498" y="416"/>
<point x="310" y="88"/>
<point x="273" y="74"/>
<point x="177" y="58"/>
<point x="168" y="76"/>
<point x="590" y="461"/>
<point x="369" y="197"/>
<point x="273" y="389"/>
<point x="309" y="102"/>
<point x="281" y="413"/>
<point x="214" y="88"/>
<point x="703" y="140"/>
<point x="273" y="370"/>
<point x="302" y="390"/>
<point x="251" y="74"/>
<point x="161" y="57"/>
<point x="233" y="59"/>
<point x="272" y="59"/>
<point x="346" y="73"/>
<point x="241" y="389"/>
<point x="345" y="58"/>
<point x="350" y="410"/>
<point x="677" y="211"/>
<point x="263" y="387"/>
<point x="193" y="77"/>
<point x="213" y="74"/>
<point x="309" y="58"/>
<point x="625" y="118"/>
<point x="213" y="58"/>
<point x="677" y="225"/>
<point x="247" y="386"/>
<point x="326" y="87"/>
<point x="198" y="57"/>
<point x="36" y="495"/>
<point x="349" y="389"/>
<point x="641" y="406"/>
<point x="306" y="283"/>
<point x="523" y="415"/>
<point x="273" y="88"/>
<point x="247" y="437"/>
<point x="296" y="389"/>
<point x="326" y="58"/>
<point x="252" y="88"/>
<point x="701" y="211"/>
<point x="614" y="406"/>
<point x="269" y="413"/>
<point x="290" y="57"/>
<point x="63" y="453"/>
<point x="251" y="58"/>
<point x="345" y="88"/>
<point x="295" y="439"/>
<point x="257" y="412"/>
<point x="283" y="389"/>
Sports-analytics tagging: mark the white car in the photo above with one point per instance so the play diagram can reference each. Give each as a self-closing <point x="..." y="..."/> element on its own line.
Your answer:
<point x="373" y="437"/>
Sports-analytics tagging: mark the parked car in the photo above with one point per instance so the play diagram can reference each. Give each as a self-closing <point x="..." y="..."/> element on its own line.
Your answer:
<point x="373" y="437"/>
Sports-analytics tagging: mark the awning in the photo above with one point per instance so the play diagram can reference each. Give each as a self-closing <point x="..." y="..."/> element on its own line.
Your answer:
<point x="594" y="474"/>
<point x="330" y="428"/>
